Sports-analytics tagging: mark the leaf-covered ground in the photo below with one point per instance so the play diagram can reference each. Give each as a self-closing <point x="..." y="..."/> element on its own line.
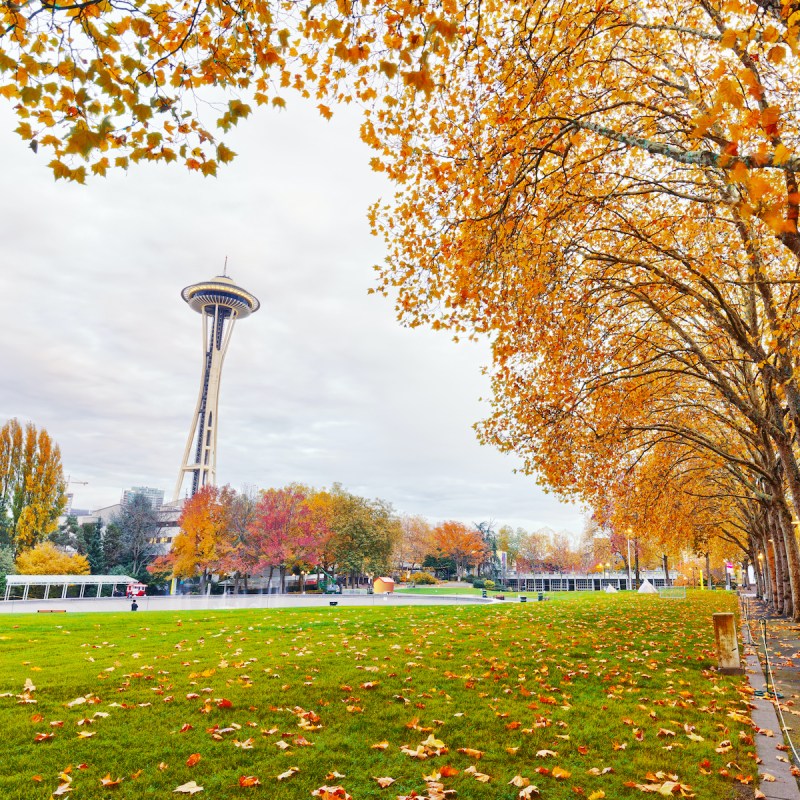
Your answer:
<point x="589" y="695"/>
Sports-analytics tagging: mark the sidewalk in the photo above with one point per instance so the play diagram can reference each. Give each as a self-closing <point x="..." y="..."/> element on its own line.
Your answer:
<point x="783" y="646"/>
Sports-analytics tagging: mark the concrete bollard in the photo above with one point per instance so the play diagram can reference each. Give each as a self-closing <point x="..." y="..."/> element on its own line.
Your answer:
<point x="727" y="645"/>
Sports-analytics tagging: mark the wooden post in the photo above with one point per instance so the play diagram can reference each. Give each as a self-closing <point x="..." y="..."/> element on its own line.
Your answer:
<point x="727" y="645"/>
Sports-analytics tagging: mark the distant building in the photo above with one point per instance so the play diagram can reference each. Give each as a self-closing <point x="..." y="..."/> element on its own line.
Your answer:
<point x="155" y="496"/>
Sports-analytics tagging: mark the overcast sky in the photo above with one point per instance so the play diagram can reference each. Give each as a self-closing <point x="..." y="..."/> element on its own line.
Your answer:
<point x="321" y="385"/>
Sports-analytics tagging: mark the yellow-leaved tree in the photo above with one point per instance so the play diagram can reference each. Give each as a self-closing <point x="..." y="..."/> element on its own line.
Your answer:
<point x="31" y="485"/>
<point x="46" y="559"/>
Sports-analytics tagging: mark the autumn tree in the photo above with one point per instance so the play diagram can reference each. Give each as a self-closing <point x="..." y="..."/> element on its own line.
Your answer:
<point x="46" y="559"/>
<point x="414" y="543"/>
<point x="239" y="555"/>
<point x="31" y="485"/>
<point x="460" y="542"/>
<point x="203" y="535"/>
<point x="283" y="531"/>
<point x="508" y="542"/>
<point x="365" y="533"/>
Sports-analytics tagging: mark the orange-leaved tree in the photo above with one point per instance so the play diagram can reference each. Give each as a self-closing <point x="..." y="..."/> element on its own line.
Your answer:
<point x="460" y="542"/>
<point x="204" y="536"/>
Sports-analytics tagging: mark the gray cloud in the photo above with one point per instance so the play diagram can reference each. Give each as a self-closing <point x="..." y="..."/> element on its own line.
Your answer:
<point x="321" y="385"/>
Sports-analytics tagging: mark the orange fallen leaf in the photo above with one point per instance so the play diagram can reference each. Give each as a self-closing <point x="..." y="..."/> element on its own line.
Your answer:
<point x="560" y="773"/>
<point x="448" y="771"/>
<point x="43" y="737"/>
<point x="249" y="780"/>
<point x="288" y="774"/>
<point x="331" y="793"/>
<point x="193" y="759"/>
<point x="468" y="751"/>
<point x="108" y="782"/>
<point x="379" y="746"/>
<point x="383" y="782"/>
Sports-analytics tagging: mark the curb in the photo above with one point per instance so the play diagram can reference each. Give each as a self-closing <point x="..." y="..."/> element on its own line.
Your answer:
<point x="784" y="787"/>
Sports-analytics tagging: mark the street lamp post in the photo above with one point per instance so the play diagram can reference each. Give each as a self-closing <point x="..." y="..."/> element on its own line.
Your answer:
<point x="607" y="572"/>
<point x="628" y="538"/>
<point x="303" y="580"/>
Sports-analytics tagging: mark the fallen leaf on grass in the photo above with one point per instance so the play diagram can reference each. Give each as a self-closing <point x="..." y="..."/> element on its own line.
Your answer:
<point x="479" y="776"/>
<point x="108" y="781"/>
<point x="331" y="793"/>
<point x="162" y="766"/>
<point x="332" y="776"/>
<point x="43" y="737"/>
<point x="288" y="774"/>
<point x="468" y="751"/>
<point x="188" y="788"/>
<point x="249" y="780"/>
<point x="86" y="734"/>
<point x="560" y="774"/>
<point x="384" y="782"/>
<point x="528" y="791"/>
<point x="379" y="746"/>
<point x="448" y="771"/>
<point x="62" y="790"/>
<point x="193" y="759"/>
<point x="519" y="782"/>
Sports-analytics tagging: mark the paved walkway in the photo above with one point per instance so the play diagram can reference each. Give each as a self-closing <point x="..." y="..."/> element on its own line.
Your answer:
<point x="781" y="659"/>
<point x="229" y="601"/>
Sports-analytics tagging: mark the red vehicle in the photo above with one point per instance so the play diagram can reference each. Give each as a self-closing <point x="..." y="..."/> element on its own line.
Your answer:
<point x="135" y="590"/>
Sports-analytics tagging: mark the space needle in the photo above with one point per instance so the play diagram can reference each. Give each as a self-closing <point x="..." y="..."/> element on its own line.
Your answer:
<point x="220" y="302"/>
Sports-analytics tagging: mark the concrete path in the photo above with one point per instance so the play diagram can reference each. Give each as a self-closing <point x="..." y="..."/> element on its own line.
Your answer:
<point x="218" y="602"/>
<point x="774" y="762"/>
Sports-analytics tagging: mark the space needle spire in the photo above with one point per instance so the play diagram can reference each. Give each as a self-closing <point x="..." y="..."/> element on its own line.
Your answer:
<point x="220" y="302"/>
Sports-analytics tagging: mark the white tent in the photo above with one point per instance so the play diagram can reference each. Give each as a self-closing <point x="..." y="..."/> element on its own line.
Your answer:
<point x="610" y="589"/>
<point x="647" y="588"/>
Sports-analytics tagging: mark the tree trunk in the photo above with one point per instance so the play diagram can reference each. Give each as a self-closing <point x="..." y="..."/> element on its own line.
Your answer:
<point x="666" y="570"/>
<point x="792" y="476"/>
<point x="708" y="571"/>
<point x="282" y="569"/>
<point x="636" y="562"/>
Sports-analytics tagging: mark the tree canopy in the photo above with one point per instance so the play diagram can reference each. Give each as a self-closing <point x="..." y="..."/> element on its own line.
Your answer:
<point x="31" y="485"/>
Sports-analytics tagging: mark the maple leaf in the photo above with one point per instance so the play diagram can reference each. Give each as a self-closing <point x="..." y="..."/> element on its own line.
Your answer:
<point x="546" y="754"/>
<point x="193" y="759"/>
<point x="560" y="774"/>
<point x="379" y="746"/>
<point x="528" y="791"/>
<point x="108" y="782"/>
<point x="249" y="780"/>
<point x="62" y="789"/>
<point x="519" y="781"/>
<point x="384" y="782"/>
<point x="470" y="753"/>
<point x="331" y="793"/>
<point x="188" y="788"/>
<point x="448" y="771"/>
<point x="43" y="737"/>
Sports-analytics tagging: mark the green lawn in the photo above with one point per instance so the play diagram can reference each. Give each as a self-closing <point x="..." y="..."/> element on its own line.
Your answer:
<point x="606" y="688"/>
<point x="466" y="590"/>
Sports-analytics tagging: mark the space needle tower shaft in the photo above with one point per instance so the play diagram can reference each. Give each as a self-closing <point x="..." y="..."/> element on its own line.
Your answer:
<point x="220" y="302"/>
